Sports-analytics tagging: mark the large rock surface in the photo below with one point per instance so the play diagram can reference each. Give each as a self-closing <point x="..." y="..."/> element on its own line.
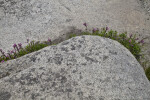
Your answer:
<point x="146" y="5"/>
<point x="40" y="19"/>
<point x="81" y="68"/>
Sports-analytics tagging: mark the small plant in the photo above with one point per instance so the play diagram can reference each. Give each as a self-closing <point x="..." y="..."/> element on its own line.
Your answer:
<point x="132" y="43"/>
<point x="19" y="51"/>
<point x="147" y="72"/>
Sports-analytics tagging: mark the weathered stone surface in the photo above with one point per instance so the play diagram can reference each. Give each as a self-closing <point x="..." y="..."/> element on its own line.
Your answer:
<point x="40" y="19"/>
<point x="81" y="68"/>
<point x="146" y="5"/>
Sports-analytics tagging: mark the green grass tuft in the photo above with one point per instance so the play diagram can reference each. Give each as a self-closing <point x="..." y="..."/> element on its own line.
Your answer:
<point x="147" y="72"/>
<point x="132" y="43"/>
<point x="31" y="47"/>
<point x="129" y="42"/>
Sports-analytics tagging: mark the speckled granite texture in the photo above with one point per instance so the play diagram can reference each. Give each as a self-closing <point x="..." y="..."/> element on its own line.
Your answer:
<point x="81" y="68"/>
<point x="146" y="5"/>
<point x="40" y="19"/>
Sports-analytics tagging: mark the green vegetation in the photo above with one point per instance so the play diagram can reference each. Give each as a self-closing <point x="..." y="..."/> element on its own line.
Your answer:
<point x="147" y="72"/>
<point x="20" y="51"/>
<point x="131" y="42"/>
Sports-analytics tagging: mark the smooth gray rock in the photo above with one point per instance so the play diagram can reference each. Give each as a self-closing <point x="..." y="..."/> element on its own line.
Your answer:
<point x="40" y="19"/>
<point x="81" y="68"/>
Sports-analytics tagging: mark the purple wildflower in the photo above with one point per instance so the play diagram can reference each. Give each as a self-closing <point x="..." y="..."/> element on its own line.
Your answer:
<point x="129" y="41"/>
<point x="107" y="28"/>
<point x="142" y="41"/>
<point x="12" y="52"/>
<point x="7" y="56"/>
<point x="20" y="45"/>
<point x="132" y="45"/>
<point x="85" y="24"/>
<point x="137" y="39"/>
<point x="15" y="45"/>
<point x="15" y="51"/>
<point x="94" y="30"/>
<point x="3" y="53"/>
<point x="130" y="35"/>
<point x="49" y="40"/>
<point x="27" y="40"/>
<point x="2" y="61"/>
